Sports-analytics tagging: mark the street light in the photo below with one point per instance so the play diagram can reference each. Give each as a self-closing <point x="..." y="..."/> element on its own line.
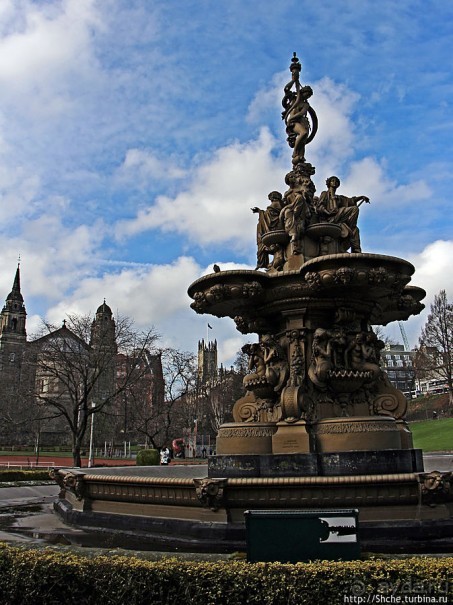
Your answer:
<point x="91" y="454"/>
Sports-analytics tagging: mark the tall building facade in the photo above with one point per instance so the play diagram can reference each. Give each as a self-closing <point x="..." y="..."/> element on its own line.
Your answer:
<point x="13" y="334"/>
<point x="15" y="411"/>
<point x="399" y="365"/>
<point x="29" y="374"/>
<point x="105" y="349"/>
<point x="207" y="362"/>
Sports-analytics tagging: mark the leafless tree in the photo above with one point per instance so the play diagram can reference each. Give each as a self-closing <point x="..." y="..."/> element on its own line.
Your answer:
<point x="166" y="419"/>
<point x="436" y="342"/>
<point x="380" y="333"/>
<point x="18" y="416"/>
<point x="76" y="378"/>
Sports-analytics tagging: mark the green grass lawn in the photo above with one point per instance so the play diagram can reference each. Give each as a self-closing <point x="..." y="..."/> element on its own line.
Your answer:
<point x="433" y="435"/>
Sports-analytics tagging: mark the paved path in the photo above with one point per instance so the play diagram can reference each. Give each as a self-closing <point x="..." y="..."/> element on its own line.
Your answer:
<point x="438" y="462"/>
<point x="30" y="494"/>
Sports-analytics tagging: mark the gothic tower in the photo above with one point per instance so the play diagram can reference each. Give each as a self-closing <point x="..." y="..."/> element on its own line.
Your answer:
<point x="104" y="349"/>
<point x="13" y="334"/>
<point x="207" y="362"/>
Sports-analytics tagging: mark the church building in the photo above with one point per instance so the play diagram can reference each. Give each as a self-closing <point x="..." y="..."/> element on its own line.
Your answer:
<point x="28" y="377"/>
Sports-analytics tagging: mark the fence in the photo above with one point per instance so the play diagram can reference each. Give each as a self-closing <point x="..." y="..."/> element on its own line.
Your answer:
<point x="26" y="466"/>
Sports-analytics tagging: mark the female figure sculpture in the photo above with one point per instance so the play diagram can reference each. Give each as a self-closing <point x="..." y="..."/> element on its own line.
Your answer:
<point x="296" y="112"/>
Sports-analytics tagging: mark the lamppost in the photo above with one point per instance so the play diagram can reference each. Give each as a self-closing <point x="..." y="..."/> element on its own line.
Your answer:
<point x="91" y="454"/>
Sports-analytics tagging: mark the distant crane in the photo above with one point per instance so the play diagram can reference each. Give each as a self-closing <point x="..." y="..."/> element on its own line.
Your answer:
<point x="404" y="335"/>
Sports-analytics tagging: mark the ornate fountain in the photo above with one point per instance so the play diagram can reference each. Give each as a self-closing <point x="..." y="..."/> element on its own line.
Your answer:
<point x="316" y="395"/>
<point x="320" y="424"/>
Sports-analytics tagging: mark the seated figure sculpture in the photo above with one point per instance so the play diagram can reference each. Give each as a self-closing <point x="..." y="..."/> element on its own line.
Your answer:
<point x="269" y="220"/>
<point x="343" y="211"/>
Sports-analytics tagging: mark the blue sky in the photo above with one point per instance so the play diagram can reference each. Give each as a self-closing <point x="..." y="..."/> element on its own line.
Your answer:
<point x="136" y="136"/>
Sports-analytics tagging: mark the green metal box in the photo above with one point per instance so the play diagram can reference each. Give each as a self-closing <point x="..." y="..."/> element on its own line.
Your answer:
<point x="290" y="536"/>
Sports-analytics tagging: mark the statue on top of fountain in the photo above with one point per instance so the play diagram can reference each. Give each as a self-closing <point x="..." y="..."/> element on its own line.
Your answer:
<point x="296" y="110"/>
<point x="343" y="211"/>
<point x="299" y="226"/>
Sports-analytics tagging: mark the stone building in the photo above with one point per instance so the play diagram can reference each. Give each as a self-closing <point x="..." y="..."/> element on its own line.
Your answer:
<point x="400" y="368"/>
<point x="13" y="334"/>
<point x="28" y="375"/>
<point x="15" y="413"/>
<point x="207" y="362"/>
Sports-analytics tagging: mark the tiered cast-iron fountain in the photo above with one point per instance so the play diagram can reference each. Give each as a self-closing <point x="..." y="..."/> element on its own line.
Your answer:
<point x="320" y="424"/>
<point x="318" y="402"/>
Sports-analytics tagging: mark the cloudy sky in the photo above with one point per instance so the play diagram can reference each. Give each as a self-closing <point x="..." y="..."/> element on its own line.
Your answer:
<point x="136" y="136"/>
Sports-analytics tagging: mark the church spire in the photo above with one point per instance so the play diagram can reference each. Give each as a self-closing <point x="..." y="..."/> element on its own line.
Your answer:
<point x="15" y="294"/>
<point x="13" y="316"/>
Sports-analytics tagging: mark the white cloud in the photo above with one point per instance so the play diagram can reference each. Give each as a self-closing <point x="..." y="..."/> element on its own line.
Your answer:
<point x="148" y="294"/>
<point x="335" y="141"/>
<point x="46" y="41"/>
<point x="18" y="191"/>
<point x="368" y="177"/>
<point x="333" y="103"/>
<point x="142" y="167"/>
<point x="54" y="256"/>
<point x="432" y="271"/>
<point x="230" y="347"/>
<point x="267" y="100"/>
<point x="433" y="266"/>
<point x="216" y="205"/>
<point x="92" y="88"/>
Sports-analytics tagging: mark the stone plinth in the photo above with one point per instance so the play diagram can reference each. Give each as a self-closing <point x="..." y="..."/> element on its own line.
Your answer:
<point x="291" y="438"/>
<point x="245" y="438"/>
<point x="356" y="433"/>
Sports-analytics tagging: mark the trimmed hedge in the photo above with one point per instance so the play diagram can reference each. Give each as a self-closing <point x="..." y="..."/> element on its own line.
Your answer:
<point x="148" y="457"/>
<point x="33" y="475"/>
<point x="34" y="577"/>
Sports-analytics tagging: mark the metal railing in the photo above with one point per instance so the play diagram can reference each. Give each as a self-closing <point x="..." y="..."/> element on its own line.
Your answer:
<point x="24" y="466"/>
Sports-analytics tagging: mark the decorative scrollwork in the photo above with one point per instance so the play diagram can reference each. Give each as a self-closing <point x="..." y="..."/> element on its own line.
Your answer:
<point x="436" y="487"/>
<point x="390" y="404"/>
<point x="344" y="275"/>
<point x="210" y="492"/>
<point x="74" y="483"/>
<point x="241" y="324"/>
<point x="55" y="476"/>
<point x="216" y="294"/>
<point x="313" y="279"/>
<point x="378" y="276"/>
<point x="200" y="303"/>
<point x="245" y="410"/>
<point x="252" y="290"/>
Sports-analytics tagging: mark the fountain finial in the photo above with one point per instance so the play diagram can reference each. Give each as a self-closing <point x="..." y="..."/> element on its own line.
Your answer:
<point x="296" y="113"/>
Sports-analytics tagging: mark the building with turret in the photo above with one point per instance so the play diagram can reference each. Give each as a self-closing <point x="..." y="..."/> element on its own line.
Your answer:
<point x="207" y="362"/>
<point x="13" y="334"/>
<point x="29" y="374"/>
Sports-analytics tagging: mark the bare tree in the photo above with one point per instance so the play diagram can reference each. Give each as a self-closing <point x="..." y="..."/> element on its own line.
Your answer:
<point x="18" y="417"/>
<point x="167" y="417"/>
<point x="76" y="370"/>
<point x="436" y="342"/>
<point x="381" y="335"/>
